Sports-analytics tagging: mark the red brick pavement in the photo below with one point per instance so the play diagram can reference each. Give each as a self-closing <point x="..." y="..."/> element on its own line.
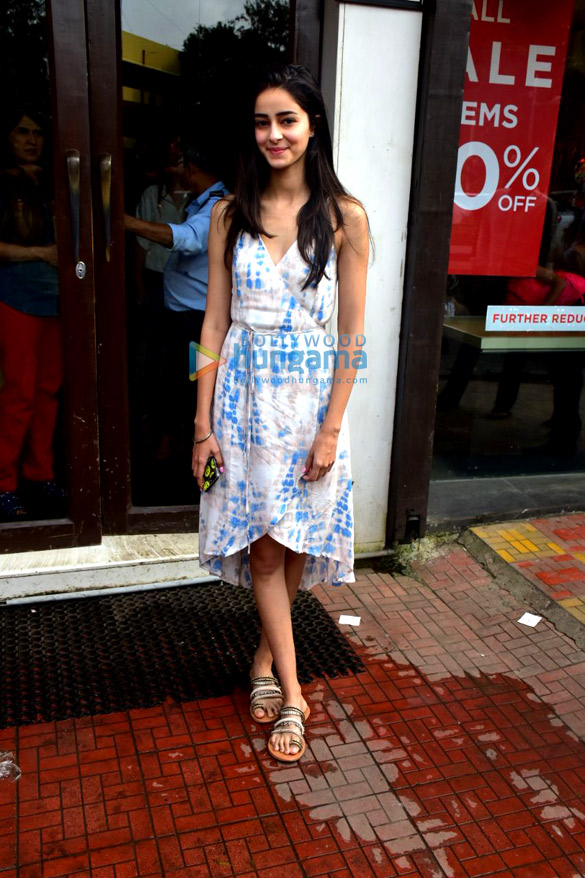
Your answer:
<point x="457" y="753"/>
<point x="548" y="552"/>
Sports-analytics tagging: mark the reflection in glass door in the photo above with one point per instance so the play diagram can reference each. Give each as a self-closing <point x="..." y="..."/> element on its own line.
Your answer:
<point x="183" y="69"/>
<point x="31" y="349"/>
<point x="510" y="410"/>
<point x="47" y="359"/>
<point x="77" y="296"/>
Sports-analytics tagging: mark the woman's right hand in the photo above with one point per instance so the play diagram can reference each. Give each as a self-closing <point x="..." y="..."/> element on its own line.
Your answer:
<point x="201" y="452"/>
<point x="49" y="254"/>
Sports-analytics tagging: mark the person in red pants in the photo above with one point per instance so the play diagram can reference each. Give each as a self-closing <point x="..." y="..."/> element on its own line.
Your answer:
<point x="31" y="370"/>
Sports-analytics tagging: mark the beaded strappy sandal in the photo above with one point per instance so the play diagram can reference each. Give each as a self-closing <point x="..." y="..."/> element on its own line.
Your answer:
<point x="291" y="719"/>
<point x="263" y="688"/>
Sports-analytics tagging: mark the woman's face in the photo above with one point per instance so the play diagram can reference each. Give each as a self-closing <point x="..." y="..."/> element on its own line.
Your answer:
<point x="282" y="128"/>
<point x="26" y="141"/>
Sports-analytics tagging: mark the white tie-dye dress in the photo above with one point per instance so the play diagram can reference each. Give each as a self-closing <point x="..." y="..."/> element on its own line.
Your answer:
<point x="271" y="396"/>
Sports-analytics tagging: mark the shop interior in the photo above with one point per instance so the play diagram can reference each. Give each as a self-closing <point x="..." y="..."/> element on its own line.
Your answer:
<point x="510" y="417"/>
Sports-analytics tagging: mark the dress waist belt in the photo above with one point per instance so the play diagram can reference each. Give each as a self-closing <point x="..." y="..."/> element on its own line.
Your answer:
<point x="240" y="325"/>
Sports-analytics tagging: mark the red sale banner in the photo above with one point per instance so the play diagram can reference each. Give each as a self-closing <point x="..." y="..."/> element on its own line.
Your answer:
<point x="513" y="82"/>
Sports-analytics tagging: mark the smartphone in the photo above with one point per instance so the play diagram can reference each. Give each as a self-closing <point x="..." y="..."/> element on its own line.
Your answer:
<point x="210" y="473"/>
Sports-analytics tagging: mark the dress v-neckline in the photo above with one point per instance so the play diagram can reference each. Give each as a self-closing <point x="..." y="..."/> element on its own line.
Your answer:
<point x="284" y="255"/>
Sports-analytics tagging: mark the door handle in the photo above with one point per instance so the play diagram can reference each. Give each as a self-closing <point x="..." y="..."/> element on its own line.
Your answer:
<point x="106" y="188"/>
<point x="73" y="174"/>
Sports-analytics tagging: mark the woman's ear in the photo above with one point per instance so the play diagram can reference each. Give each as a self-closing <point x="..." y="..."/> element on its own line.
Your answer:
<point x="315" y="122"/>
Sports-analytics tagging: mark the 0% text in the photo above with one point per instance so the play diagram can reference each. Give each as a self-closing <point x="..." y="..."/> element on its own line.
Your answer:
<point x="518" y="170"/>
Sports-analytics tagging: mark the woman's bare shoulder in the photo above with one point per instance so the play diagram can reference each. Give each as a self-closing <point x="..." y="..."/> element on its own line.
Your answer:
<point x="221" y="212"/>
<point x="353" y="212"/>
<point x="355" y="229"/>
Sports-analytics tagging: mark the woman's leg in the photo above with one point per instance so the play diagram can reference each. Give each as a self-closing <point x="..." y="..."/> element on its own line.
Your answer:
<point x="262" y="666"/>
<point x="37" y="459"/>
<point x="267" y="566"/>
<point x="19" y="337"/>
<point x="509" y="383"/>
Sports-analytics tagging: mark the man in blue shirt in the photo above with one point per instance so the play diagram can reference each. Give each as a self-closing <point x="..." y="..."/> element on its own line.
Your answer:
<point x="185" y="292"/>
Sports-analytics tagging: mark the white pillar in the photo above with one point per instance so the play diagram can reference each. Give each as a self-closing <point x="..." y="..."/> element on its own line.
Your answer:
<point x="370" y="72"/>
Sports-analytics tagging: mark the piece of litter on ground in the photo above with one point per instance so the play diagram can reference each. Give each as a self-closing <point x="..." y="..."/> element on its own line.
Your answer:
<point x="9" y="770"/>
<point x="530" y="619"/>
<point x="349" y="620"/>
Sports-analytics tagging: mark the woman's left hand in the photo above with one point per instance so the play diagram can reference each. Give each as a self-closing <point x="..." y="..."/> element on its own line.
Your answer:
<point x="321" y="457"/>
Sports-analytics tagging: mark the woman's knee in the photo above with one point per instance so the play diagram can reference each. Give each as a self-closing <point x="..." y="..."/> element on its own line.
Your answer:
<point x="266" y="556"/>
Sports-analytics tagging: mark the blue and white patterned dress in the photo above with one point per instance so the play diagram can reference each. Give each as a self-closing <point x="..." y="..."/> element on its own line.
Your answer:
<point x="271" y="396"/>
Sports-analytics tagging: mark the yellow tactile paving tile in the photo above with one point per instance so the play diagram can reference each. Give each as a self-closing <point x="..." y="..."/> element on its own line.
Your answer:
<point x="518" y="535"/>
<point x="522" y="542"/>
<point x="506" y="534"/>
<point x="520" y="547"/>
<point x="480" y="532"/>
<point x="543" y="554"/>
<point x="571" y="602"/>
<point x="521" y="531"/>
<point x="525" y="550"/>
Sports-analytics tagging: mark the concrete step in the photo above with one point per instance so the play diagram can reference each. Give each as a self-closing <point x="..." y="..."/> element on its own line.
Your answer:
<point x="120" y="561"/>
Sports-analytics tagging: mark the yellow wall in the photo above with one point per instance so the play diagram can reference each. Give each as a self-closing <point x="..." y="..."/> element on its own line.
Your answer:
<point x="147" y="53"/>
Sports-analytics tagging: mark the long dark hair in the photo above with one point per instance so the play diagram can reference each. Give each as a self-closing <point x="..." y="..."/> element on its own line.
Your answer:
<point x="25" y="217"/>
<point x="316" y="229"/>
<point x="10" y="116"/>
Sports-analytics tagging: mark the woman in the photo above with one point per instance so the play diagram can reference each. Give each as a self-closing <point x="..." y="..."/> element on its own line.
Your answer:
<point x="280" y="516"/>
<point x="30" y="334"/>
<point x="574" y="257"/>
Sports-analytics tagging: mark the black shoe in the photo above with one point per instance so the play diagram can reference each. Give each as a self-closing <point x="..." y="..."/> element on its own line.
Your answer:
<point x="11" y="507"/>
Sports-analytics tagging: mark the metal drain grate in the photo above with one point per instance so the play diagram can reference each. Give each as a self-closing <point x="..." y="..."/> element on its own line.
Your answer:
<point x="103" y="654"/>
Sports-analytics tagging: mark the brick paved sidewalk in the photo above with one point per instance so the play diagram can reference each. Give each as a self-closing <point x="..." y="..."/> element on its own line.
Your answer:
<point x="458" y="752"/>
<point x="548" y="552"/>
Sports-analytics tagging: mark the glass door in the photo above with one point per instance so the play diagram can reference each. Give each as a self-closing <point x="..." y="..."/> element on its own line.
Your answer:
<point x="49" y="464"/>
<point x="165" y="82"/>
<point x="101" y="104"/>
<point x="508" y="430"/>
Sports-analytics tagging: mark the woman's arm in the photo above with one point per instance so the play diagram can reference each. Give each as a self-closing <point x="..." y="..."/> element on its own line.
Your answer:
<point x="352" y="267"/>
<point x="18" y="253"/>
<point x="556" y="283"/>
<point x="214" y="330"/>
